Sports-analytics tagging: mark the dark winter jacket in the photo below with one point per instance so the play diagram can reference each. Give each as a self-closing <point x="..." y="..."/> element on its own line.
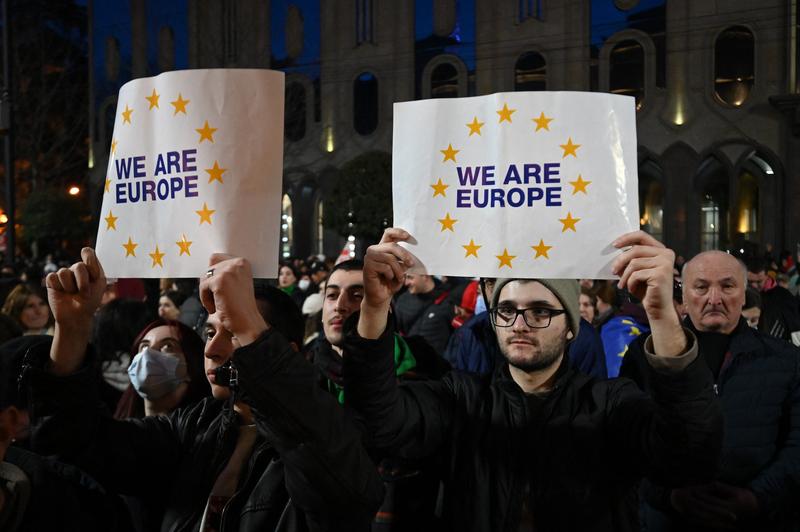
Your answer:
<point x="571" y="456"/>
<point x="426" y="315"/>
<point x="759" y="392"/>
<point x="308" y="470"/>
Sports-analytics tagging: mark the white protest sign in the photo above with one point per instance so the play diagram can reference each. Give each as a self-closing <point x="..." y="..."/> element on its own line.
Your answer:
<point x="527" y="185"/>
<point x="195" y="168"/>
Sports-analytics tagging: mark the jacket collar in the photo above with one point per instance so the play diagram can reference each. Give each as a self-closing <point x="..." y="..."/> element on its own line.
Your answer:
<point x="744" y="339"/>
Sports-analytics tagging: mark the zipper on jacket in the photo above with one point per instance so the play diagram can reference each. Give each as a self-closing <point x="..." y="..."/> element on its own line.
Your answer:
<point x="250" y="467"/>
<point x="726" y="363"/>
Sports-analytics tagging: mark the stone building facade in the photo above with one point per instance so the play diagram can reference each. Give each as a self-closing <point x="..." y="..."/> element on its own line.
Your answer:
<point x="715" y="82"/>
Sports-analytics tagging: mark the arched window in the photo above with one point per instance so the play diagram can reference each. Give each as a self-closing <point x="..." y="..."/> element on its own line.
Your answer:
<point x="626" y="70"/>
<point x="286" y="227"/>
<point x="365" y="103"/>
<point x="747" y="207"/>
<point x="529" y="9"/>
<point x="734" y="65"/>
<point x="444" y="81"/>
<point x="295" y="124"/>
<point x="709" y="223"/>
<point x="651" y="207"/>
<point x="530" y="72"/>
<point x="320" y="227"/>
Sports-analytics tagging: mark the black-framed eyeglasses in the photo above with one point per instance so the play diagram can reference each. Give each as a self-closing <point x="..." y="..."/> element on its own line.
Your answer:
<point x="534" y="317"/>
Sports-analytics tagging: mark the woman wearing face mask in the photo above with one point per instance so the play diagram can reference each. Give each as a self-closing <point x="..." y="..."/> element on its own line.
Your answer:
<point x="166" y="371"/>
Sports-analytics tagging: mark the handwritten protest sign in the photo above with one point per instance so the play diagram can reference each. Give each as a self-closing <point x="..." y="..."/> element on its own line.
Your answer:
<point x="195" y="168"/>
<point x="516" y="184"/>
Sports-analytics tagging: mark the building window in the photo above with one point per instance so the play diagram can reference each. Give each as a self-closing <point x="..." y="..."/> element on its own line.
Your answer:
<point x="747" y="211"/>
<point x="530" y="72"/>
<point x="709" y="223"/>
<point x="651" y="207"/>
<point x="734" y="65"/>
<point x="444" y="81"/>
<point x="295" y="125"/>
<point x="626" y="70"/>
<point x="320" y="228"/>
<point x="365" y="103"/>
<point x="364" y="17"/>
<point x="286" y="227"/>
<point x="529" y="9"/>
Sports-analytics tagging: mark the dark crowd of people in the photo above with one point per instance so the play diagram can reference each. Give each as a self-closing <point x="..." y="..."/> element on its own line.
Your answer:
<point x="364" y="394"/>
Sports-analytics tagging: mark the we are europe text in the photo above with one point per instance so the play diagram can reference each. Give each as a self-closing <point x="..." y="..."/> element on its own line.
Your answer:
<point x="167" y="183"/>
<point x="479" y="186"/>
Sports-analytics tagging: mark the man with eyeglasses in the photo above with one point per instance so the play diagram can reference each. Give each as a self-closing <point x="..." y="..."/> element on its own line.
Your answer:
<point x="538" y="445"/>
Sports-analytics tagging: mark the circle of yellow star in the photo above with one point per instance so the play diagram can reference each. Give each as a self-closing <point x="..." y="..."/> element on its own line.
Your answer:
<point x="130" y="248"/>
<point x="569" y="222"/>
<point x="205" y="214"/>
<point x="542" y="122"/>
<point x="108" y="185"/>
<point x="157" y="257"/>
<point x="505" y="259"/>
<point x="215" y="173"/>
<point x="471" y="248"/>
<point x="206" y="132"/>
<point x="184" y="246"/>
<point x="447" y="222"/>
<point x="439" y="188"/>
<point x="111" y="221"/>
<point x="541" y="250"/>
<point x="475" y="126"/>
<point x="153" y="99"/>
<point x="449" y="153"/>
<point x="114" y="146"/>
<point x="179" y="105"/>
<point x="570" y="148"/>
<point x="579" y="185"/>
<point x="505" y="113"/>
<point x="126" y="115"/>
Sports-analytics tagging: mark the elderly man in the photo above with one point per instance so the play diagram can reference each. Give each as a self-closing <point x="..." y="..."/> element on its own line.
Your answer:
<point x="539" y="445"/>
<point x="757" y="378"/>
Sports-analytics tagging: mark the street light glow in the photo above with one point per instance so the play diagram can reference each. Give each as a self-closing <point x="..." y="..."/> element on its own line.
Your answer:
<point x="74" y="190"/>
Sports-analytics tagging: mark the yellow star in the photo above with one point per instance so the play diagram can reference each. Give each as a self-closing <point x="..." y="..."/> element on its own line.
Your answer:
<point x="179" y="104"/>
<point x="111" y="221"/>
<point x="569" y="222"/>
<point x="114" y="146"/>
<point x="542" y="122"/>
<point x="475" y="126"/>
<point x="579" y="185"/>
<point x="505" y="259"/>
<point x="157" y="257"/>
<point x="206" y="132"/>
<point x="126" y="115"/>
<point x="130" y="248"/>
<point x="108" y="185"/>
<point x="449" y="153"/>
<point x="184" y="245"/>
<point x="541" y="250"/>
<point x="153" y="99"/>
<point x="205" y="214"/>
<point x="570" y="148"/>
<point x="505" y="113"/>
<point x="472" y="249"/>
<point x="439" y="188"/>
<point x="215" y="173"/>
<point x="447" y="222"/>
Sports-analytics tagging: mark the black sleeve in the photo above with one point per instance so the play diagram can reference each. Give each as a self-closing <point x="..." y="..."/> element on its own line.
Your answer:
<point x="411" y="419"/>
<point x="327" y="468"/>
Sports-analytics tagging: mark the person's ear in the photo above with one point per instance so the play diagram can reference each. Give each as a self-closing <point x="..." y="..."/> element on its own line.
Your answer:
<point x="570" y="336"/>
<point x="294" y="347"/>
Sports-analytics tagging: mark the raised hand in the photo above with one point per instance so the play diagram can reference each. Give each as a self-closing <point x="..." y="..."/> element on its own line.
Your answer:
<point x="227" y="291"/>
<point x="385" y="266"/>
<point x="74" y="294"/>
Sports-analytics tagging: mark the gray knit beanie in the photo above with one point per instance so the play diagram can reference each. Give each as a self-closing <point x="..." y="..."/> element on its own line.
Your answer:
<point x="566" y="290"/>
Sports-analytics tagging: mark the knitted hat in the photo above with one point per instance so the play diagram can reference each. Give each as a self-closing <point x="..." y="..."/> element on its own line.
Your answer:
<point x="566" y="290"/>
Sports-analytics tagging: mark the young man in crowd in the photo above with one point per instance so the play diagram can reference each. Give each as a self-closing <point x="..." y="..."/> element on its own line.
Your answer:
<point x="540" y="446"/>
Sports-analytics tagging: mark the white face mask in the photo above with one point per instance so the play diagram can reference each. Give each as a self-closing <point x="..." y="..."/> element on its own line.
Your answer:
<point x="303" y="284"/>
<point x="154" y="374"/>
